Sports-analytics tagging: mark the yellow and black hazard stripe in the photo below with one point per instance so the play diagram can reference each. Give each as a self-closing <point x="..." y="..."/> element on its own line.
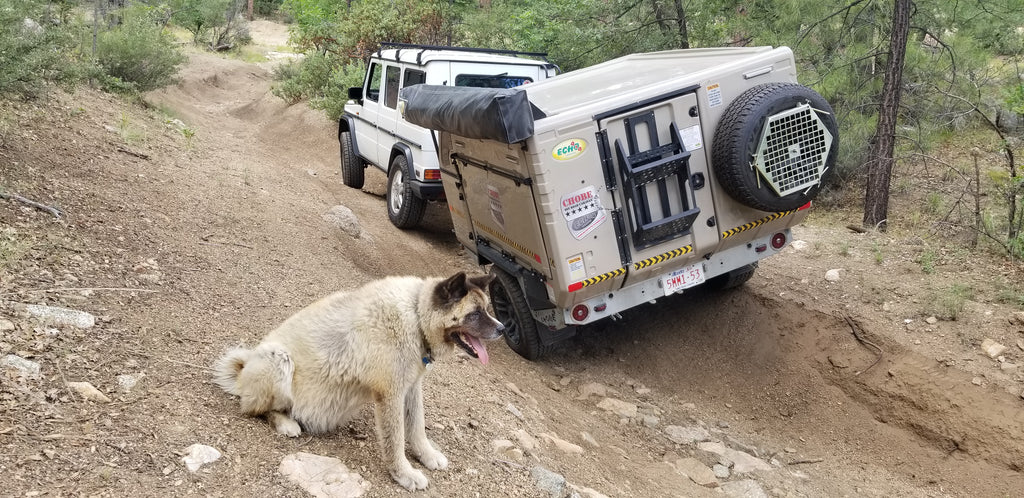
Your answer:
<point x="754" y="224"/>
<point x="504" y="238"/>
<point x="573" y="287"/>
<point x="662" y="257"/>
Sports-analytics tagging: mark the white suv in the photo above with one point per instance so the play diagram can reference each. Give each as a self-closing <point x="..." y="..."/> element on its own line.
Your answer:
<point x="372" y="130"/>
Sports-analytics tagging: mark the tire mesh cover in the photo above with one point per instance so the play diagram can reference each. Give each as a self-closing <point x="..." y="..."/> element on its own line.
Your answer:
<point x="498" y="114"/>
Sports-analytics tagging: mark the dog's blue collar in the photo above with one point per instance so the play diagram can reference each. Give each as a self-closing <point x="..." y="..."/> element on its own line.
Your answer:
<point x="427" y="360"/>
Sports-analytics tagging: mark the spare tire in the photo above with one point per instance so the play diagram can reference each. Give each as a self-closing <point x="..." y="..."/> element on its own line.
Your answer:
<point x="775" y="146"/>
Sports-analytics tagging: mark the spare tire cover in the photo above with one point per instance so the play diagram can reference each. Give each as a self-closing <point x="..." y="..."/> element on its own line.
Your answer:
<point x="775" y="146"/>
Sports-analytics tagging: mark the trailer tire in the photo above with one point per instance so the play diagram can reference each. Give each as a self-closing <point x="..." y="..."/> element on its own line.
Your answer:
<point x="512" y="310"/>
<point x="405" y="210"/>
<point x="352" y="166"/>
<point x="732" y="279"/>
<point x="738" y="136"/>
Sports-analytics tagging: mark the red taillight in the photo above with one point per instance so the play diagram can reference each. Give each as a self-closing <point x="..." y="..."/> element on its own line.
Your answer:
<point x="779" y="241"/>
<point x="580" y="312"/>
<point x="601" y="307"/>
<point x="573" y="287"/>
<point x="431" y="174"/>
<point x="805" y="206"/>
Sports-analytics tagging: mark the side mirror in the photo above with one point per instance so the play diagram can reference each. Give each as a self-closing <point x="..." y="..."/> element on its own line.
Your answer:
<point x="355" y="93"/>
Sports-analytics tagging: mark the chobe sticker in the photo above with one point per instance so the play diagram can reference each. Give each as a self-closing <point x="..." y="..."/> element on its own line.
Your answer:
<point x="497" y="213"/>
<point x="569" y="149"/>
<point x="583" y="212"/>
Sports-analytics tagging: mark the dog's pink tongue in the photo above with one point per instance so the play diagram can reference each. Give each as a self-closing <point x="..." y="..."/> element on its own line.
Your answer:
<point x="478" y="346"/>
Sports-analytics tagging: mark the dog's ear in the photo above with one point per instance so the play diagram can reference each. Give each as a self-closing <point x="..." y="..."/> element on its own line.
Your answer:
<point x="452" y="289"/>
<point x="482" y="281"/>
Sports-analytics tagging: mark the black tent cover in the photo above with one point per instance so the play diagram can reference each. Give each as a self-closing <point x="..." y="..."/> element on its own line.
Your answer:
<point x="500" y="114"/>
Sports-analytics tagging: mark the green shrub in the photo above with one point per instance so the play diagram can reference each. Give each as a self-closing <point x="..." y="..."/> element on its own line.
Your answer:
<point x="319" y="78"/>
<point x="36" y="48"/>
<point x="137" y="54"/>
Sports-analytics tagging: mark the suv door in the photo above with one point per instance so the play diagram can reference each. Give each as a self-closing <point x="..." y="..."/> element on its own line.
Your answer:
<point x="366" y="133"/>
<point x="387" y="114"/>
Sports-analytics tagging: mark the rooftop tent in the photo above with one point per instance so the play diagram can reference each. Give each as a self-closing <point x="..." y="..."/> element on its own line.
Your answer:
<point x="503" y="115"/>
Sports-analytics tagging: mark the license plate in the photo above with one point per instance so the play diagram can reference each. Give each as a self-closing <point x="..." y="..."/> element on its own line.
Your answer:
<point x="682" y="278"/>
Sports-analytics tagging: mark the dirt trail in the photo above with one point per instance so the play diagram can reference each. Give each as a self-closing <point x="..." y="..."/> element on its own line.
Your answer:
<point x="223" y="237"/>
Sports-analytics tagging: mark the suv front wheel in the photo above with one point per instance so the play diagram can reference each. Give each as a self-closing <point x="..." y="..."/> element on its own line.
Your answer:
<point x="405" y="210"/>
<point x="352" y="166"/>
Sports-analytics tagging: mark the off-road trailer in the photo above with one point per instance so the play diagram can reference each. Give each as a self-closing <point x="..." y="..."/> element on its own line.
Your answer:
<point x="608" y="187"/>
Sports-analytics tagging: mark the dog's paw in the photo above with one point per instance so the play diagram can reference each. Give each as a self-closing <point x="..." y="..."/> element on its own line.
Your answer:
<point x="433" y="459"/>
<point x="288" y="427"/>
<point x="411" y="479"/>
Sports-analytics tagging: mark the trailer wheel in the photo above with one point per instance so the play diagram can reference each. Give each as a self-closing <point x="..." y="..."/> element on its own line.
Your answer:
<point x="405" y="210"/>
<point x="352" y="166"/>
<point x="513" y="312"/>
<point x="732" y="279"/>
<point x="782" y="166"/>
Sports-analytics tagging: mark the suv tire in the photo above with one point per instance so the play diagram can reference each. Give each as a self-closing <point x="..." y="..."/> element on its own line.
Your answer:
<point x="512" y="310"/>
<point x="352" y="166"/>
<point x="405" y="210"/>
<point x="738" y="136"/>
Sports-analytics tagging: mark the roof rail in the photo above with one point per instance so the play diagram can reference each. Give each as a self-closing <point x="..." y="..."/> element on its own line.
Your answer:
<point x="423" y="48"/>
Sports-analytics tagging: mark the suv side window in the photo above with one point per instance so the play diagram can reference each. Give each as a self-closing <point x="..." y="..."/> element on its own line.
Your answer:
<point x="373" y="87"/>
<point x="414" y="77"/>
<point x="391" y="86"/>
<point x="488" y="81"/>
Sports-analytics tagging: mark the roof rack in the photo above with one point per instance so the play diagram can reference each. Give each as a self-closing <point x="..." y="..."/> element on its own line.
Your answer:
<point x="424" y="48"/>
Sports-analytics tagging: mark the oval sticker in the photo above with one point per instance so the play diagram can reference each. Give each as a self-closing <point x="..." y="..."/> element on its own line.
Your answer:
<point x="569" y="149"/>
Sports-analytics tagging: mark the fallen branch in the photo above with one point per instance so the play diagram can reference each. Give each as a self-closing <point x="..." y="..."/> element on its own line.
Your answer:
<point x="807" y="460"/>
<point x="865" y="342"/>
<point x="206" y="238"/>
<point x="56" y="212"/>
<point x="857" y="229"/>
<point x="139" y="155"/>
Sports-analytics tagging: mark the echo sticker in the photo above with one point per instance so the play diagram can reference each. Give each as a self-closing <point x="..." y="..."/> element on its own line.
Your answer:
<point x="582" y="210"/>
<point x="569" y="149"/>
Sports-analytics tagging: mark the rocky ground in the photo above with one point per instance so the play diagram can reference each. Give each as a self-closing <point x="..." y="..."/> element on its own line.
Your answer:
<point x="845" y="367"/>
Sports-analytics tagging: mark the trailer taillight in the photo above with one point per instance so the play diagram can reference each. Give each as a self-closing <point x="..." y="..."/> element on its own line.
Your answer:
<point x="580" y="312"/>
<point x="779" y="241"/>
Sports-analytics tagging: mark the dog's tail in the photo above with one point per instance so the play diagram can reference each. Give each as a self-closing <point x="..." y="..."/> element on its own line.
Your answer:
<point x="227" y="368"/>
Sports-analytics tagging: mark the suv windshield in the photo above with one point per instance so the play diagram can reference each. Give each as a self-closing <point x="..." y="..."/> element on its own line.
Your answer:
<point x="491" y="81"/>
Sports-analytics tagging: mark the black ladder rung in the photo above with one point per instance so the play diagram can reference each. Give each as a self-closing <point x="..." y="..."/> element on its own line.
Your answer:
<point x="665" y="228"/>
<point x="657" y="170"/>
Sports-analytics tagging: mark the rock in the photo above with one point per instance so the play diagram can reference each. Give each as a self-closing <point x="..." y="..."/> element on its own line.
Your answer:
<point x="515" y="411"/>
<point x="1020" y="344"/>
<point x="564" y="381"/>
<point x="687" y="435"/>
<point x="26" y="369"/>
<point x="746" y="488"/>
<point x="798" y="245"/>
<point x="502" y="446"/>
<point x="323" y="477"/>
<point x="838" y="361"/>
<point x="561" y="444"/>
<point x="587" y="492"/>
<point x="1017" y="317"/>
<point x="992" y="348"/>
<point x="742" y="462"/>
<point x="589" y="440"/>
<point x="127" y="382"/>
<point x="1008" y="367"/>
<point x="526" y="441"/>
<point x="61" y="316"/>
<point x="89" y="392"/>
<point x="549" y="482"/>
<point x="833" y="275"/>
<point x="6" y="325"/>
<point x="697" y="472"/>
<point x="343" y="218"/>
<point x="651" y="421"/>
<point x="198" y="455"/>
<point x="931" y="320"/>
<point x="618" y="407"/>
<point x="31" y="27"/>
<point x="977" y="381"/>
<point x="514" y="388"/>
<point x="721" y="471"/>
<point x="592" y="388"/>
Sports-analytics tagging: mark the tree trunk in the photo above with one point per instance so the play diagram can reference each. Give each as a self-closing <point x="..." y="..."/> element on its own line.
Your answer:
<point x="684" y="37"/>
<point x="250" y="10"/>
<point x="880" y="156"/>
